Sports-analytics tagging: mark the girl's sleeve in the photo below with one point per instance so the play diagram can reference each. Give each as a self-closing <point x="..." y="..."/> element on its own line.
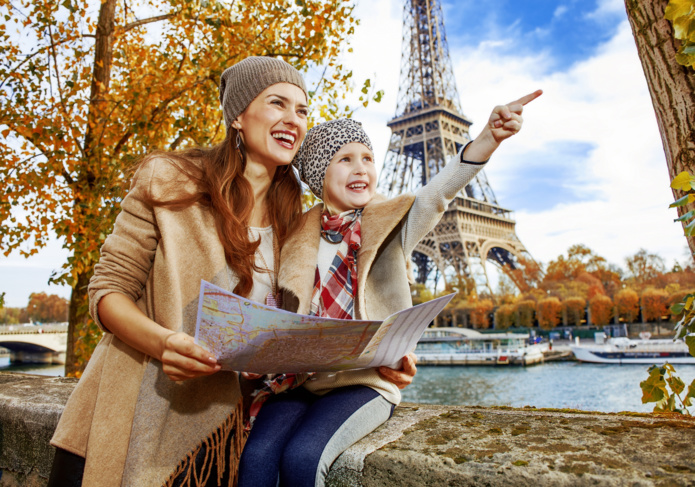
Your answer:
<point x="432" y="200"/>
<point x="128" y="253"/>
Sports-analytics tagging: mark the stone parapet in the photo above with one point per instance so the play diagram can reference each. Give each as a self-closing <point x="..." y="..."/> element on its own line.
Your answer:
<point x="423" y="444"/>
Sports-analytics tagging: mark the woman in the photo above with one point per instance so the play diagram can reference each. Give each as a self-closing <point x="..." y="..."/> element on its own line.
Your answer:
<point x="218" y="214"/>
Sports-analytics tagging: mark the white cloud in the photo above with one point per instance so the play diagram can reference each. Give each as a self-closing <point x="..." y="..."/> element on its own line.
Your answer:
<point x="602" y="101"/>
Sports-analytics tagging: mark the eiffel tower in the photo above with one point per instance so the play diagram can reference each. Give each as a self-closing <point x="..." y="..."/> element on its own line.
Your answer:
<point x="429" y="128"/>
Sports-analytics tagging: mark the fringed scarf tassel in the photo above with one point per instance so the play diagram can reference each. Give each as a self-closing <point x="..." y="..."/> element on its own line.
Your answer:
<point x="192" y="473"/>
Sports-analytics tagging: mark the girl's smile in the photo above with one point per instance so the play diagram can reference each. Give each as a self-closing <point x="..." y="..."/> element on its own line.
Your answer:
<point x="350" y="178"/>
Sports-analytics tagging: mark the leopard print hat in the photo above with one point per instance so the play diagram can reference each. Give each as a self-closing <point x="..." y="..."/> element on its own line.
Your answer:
<point x="322" y="142"/>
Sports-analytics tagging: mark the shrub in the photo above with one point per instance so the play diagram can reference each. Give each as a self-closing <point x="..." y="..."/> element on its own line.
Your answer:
<point x="601" y="308"/>
<point x="548" y="313"/>
<point x="574" y="308"/>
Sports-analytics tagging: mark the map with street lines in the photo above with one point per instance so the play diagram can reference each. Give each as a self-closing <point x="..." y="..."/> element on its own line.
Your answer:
<point x="248" y="336"/>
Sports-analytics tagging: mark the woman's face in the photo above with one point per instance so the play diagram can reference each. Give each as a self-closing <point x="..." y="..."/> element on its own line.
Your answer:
<point x="274" y="125"/>
<point x="350" y="178"/>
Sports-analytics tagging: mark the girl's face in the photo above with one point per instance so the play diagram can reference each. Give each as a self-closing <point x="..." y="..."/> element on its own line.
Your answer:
<point x="350" y="178"/>
<point x="274" y="124"/>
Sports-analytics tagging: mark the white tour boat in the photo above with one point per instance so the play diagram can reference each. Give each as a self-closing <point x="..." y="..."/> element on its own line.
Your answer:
<point x="463" y="346"/>
<point x="622" y="350"/>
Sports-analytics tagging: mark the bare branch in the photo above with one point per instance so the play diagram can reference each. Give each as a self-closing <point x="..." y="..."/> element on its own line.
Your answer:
<point x="60" y="89"/>
<point x="137" y="23"/>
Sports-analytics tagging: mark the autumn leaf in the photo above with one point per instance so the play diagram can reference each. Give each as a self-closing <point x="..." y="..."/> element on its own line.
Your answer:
<point x="682" y="181"/>
<point x="676" y="383"/>
<point x="654" y="388"/>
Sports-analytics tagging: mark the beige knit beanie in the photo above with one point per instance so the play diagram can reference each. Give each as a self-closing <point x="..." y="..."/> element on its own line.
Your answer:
<point x="322" y="142"/>
<point x="244" y="81"/>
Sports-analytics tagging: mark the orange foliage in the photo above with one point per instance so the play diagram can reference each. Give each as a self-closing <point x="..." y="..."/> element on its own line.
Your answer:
<point x="594" y="284"/>
<point x="574" y="309"/>
<point x="480" y="313"/>
<point x="47" y="308"/>
<point x="601" y="309"/>
<point x="76" y="117"/>
<point x="654" y="304"/>
<point x="627" y="302"/>
<point x="548" y="313"/>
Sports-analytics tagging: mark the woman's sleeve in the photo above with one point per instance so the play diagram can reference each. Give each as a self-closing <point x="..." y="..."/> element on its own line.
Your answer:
<point x="432" y="200"/>
<point x="128" y="253"/>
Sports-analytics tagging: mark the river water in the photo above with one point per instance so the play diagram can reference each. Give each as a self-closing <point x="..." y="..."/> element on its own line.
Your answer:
<point x="591" y="387"/>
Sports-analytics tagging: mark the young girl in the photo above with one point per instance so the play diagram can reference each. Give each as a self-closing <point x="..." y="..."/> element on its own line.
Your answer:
<point x="355" y="268"/>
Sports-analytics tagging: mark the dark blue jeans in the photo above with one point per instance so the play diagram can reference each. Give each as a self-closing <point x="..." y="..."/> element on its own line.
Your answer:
<point x="297" y="435"/>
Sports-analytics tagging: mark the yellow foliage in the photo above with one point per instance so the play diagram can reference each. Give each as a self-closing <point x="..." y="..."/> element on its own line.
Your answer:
<point x="627" y="304"/>
<point x="682" y="181"/>
<point x="573" y="308"/>
<point x="524" y="313"/>
<point x="504" y="316"/>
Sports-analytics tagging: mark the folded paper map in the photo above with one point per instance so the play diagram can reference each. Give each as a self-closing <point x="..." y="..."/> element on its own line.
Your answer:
<point x="248" y="336"/>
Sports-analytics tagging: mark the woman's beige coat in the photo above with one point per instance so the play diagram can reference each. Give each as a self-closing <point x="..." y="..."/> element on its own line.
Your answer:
<point x="135" y="426"/>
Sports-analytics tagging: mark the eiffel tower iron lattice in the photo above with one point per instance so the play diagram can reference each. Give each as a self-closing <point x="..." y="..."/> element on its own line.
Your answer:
<point x="428" y="129"/>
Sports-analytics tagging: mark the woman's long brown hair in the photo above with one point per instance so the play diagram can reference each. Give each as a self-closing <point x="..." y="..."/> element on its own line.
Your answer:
<point x="218" y="173"/>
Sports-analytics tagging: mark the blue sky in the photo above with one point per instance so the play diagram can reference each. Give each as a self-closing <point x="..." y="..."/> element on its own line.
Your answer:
<point x="568" y="31"/>
<point x="588" y="166"/>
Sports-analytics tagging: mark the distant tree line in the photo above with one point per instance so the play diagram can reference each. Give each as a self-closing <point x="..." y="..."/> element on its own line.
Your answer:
<point x="42" y="308"/>
<point x="575" y="289"/>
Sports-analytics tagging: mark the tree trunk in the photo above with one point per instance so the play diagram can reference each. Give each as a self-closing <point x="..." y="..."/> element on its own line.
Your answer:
<point x="672" y="87"/>
<point x="78" y="320"/>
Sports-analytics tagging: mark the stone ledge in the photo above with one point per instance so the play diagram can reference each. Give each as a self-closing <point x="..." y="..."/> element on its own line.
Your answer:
<point x="423" y="444"/>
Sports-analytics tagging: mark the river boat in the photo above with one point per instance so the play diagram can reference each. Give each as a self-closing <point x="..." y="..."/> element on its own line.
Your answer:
<point x="463" y="346"/>
<point x="622" y="350"/>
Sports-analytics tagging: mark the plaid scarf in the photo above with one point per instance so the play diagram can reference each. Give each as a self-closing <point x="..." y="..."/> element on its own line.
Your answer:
<point x="335" y="298"/>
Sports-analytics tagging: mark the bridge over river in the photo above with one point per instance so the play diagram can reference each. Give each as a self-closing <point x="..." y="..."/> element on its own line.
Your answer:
<point x="44" y="344"/>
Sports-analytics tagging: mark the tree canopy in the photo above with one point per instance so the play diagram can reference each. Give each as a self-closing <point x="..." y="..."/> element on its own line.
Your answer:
<point x="88" y="87"/>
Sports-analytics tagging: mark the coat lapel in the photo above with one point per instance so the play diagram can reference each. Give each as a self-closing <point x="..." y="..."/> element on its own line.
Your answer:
<point x="379" y="219"/>
<point x="298" y="259"/>
<point x="299" y="254"/>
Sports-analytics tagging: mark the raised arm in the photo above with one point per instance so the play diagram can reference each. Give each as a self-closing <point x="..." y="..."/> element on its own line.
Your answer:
<point x="432" y="199"/>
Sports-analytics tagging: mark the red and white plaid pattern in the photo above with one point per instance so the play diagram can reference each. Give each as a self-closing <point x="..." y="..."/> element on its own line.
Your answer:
<point x="335" y="297"/>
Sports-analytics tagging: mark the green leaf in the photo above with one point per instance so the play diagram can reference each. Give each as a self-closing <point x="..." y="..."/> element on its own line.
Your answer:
<point x="680" y="201"/>
<point x="690" y="228"/>
<point x="690" y="342"/>
<point x="654" y="388"/>
<point x="685" y="216"/>
<point x="677" y="308"/>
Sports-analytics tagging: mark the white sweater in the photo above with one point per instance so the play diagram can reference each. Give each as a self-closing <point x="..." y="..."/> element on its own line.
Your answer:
<point x="430" y="201"/>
